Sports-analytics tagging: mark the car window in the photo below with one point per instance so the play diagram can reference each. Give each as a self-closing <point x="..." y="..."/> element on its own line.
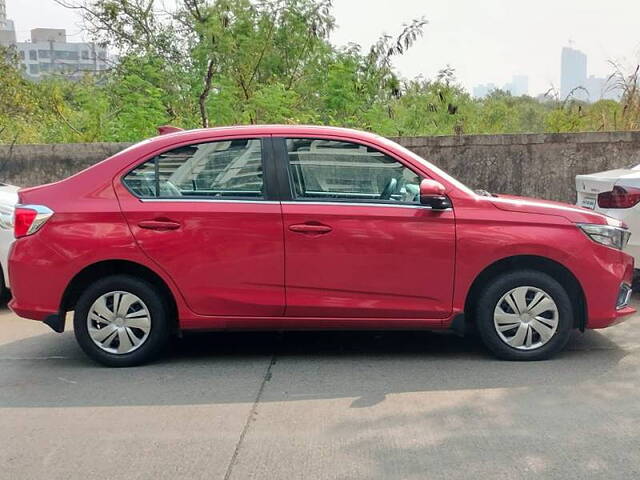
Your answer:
<point x="225" y="169"/>
<point x="335" y="170"/>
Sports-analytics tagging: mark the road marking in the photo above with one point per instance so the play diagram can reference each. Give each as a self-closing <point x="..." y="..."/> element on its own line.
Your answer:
<point x="66" y="380"/>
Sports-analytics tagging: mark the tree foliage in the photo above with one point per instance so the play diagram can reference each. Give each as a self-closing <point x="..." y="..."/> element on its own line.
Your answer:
<point x="225" y="62"/>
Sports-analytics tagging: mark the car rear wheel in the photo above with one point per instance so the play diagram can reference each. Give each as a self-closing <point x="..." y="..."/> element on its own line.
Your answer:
<point x="524" y="315"/>
<point x="121" y="321"/>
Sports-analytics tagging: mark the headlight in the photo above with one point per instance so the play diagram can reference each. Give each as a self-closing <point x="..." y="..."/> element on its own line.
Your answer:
<point x="614" y="237"/>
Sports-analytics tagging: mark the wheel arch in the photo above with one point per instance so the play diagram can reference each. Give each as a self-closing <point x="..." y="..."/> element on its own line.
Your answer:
<point x="530" y="262"/>
<point x="114" y="267"/>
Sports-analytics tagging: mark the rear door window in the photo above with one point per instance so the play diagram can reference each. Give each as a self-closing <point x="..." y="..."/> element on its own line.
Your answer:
<point x="230" y="169"/>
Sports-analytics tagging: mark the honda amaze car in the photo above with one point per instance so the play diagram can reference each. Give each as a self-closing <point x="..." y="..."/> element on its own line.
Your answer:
<point x="292" y="228"/>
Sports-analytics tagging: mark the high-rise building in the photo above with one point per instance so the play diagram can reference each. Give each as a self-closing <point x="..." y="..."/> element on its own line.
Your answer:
<point x="575" y="82"/>
<point x="7" y="30"/>
<point x="573" y="72"/>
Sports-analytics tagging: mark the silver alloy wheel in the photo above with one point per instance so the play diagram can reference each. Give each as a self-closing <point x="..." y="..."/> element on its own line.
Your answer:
<point x="526" y="318"/>
<point x="119" y="322"/>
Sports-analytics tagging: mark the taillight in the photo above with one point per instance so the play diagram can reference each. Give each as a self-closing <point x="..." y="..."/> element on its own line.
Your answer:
<point x="619" y="197"/>
<point x="28" y="219"/>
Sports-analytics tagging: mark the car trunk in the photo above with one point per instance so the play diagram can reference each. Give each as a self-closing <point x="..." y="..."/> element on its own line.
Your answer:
<point x="589" y="186"/>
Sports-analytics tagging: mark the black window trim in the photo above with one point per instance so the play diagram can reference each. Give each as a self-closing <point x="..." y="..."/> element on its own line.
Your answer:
<point x="271" y="187"/>
<point x="286" y="188"/>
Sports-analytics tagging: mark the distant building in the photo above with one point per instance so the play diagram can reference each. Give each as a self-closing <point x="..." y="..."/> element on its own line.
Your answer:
<point x="596" y="87"/>
<point x="518" y="86"/>
<point x="7" y="29"/>
<point x="573" y="73"/>
<point x="49" y="52"/>
<point x="602" y="89"/>
<point x="574" y="80"/>
<point x="482" y="91"/>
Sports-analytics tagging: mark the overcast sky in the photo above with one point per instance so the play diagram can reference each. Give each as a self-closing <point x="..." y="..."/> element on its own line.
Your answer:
<point x="484" y="40"/>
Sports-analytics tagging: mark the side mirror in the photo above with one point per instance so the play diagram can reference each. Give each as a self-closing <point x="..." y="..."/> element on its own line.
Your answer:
<point x="433" y="194"/>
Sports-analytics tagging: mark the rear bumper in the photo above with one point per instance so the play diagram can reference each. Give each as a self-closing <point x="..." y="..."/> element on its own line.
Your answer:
<point x="30" y="312"/>
<point x="36" y="289"/>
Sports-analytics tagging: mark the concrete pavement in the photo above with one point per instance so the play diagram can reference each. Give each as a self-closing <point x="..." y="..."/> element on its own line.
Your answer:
<point x="319" y="406"/>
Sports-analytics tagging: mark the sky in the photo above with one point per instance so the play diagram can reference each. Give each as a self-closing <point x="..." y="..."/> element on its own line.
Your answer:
<point x="483" y="40"/>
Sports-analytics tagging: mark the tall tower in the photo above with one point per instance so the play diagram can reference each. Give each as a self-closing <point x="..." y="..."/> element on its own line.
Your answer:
<point x="3" y="14"/>
<point x="7" y="30"/>
<point x="574" y="72"/>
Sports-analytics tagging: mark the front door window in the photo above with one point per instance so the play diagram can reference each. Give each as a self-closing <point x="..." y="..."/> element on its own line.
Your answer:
<point x="342" y="171"/>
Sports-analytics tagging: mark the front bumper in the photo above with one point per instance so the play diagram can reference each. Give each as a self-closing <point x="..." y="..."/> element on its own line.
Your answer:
<point x="624" y="296"/>
<point x="607" y="287"/>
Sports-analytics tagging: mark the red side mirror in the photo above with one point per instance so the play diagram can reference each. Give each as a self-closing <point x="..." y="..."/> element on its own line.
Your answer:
<point x="431" y="188"/>
<point x="433" y="194"/>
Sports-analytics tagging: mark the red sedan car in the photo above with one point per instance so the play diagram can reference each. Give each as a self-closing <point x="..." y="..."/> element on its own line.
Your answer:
<point x="289" y="227"/>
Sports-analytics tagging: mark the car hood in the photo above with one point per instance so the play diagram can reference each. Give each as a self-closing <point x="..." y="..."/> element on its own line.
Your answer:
<point x="572" y="213"/>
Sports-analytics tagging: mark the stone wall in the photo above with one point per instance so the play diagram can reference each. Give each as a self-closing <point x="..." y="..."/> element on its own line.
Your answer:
<point x="542" y="166"/>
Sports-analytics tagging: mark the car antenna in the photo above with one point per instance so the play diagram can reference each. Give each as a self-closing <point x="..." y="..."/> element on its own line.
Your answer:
<point x="166" y="129"/>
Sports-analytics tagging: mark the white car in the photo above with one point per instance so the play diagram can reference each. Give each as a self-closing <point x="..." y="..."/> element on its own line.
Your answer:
<point x="615" y="193"/>
<point x="8" y="201"/>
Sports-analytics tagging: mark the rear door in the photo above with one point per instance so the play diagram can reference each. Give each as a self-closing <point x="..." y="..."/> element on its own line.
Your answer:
<point x="205" y="214"/>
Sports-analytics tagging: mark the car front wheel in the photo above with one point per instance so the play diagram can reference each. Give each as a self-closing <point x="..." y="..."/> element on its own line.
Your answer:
<point x="524" y="315"/>
<point x="121" y="321"/>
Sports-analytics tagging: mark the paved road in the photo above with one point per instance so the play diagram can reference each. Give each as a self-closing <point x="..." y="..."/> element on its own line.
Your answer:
<point x="319" y="406"/>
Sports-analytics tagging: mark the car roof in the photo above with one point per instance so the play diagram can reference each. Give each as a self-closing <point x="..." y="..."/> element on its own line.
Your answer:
<point x="273" y="130"/>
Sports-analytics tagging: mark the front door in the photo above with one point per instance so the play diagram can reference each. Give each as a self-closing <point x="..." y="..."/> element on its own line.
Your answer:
<point x="203" y="214"/>
<point x="358" y="243"/>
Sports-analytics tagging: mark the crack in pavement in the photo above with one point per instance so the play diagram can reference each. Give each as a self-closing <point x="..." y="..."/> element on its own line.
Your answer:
<point x="250" y="417"/>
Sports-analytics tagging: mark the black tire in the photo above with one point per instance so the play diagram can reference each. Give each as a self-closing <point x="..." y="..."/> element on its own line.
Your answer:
<point x="158" y="336"/>
<point x="498" y="287"/>
<point x="5" y="293"/>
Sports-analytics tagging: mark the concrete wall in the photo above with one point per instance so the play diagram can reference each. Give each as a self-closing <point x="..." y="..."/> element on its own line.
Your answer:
<point x="542" y="166"/>
<point x="29" y="165"/>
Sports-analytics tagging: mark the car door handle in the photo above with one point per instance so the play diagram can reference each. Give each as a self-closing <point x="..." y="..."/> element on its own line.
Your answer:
<point x="159" y="225"/>
<point x="310" y="228"/>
